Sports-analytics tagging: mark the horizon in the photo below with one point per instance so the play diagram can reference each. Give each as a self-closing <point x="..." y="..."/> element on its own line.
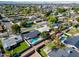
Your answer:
<point x="38" y="2"/>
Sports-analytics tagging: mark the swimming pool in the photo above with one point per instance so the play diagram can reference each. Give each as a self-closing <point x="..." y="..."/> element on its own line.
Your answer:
<point x="63" y="37"/>
<point x="34" y="40"/>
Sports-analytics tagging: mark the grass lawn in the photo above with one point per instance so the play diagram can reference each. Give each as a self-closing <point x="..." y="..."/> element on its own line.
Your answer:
<point x="73" y="31"/>
<point x="42" y="52"/>
<point x="50" y="45"/>
<point x="18" y="49"/>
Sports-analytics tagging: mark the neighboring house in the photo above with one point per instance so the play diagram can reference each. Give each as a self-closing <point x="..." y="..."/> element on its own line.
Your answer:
<point x="74" y="41"/>
<point x="42" y="29"/>
<point x="31" y="34"/>
<point x="38" y="20"/>
<point x="66" y="52"/>
<point x="31" y="17"/>
<point x="42" y="23"/>
<point x="56" y="25"/>
<point x="62" y="19"/>
<point x="59" y="15"/>
<point x="8" y="25"/>
<point x="11" y="41"/>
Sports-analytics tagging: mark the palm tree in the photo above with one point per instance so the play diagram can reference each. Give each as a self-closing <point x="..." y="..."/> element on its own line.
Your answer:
<point x="57" y="41"/>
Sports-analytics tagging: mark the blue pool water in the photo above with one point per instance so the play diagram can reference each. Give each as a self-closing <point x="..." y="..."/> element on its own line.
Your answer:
<point x="63" y="37"/>
<point x="34" y="40"/>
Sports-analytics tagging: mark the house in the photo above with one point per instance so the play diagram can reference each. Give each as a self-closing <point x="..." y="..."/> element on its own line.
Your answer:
<point x="74" y="41"/>
<point x="42" y="29"/>
<point x="31" y="17"/>
<point x="32" y="37"/>
<point x="38" y="20"/>
<point x="43" y="23"/>
<point x="62" y="19"/>
<point x="11" y="41"/>
<point x="31" y="34"/>
<point x="66" y="52"/>
<point x="56" y="25"/>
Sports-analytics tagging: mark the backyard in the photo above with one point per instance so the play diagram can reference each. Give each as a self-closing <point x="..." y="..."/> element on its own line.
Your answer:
<point x="73" y="31"/>
<point x="42" y="52"/>
<point x="49" y="46"/>
<point x="18" y="49"/>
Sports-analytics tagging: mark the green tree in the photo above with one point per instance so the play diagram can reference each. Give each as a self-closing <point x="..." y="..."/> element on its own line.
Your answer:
<point x="61" y="10"/>
<point x="15" y="28"/>
<point x="57" y="41"/>
<point x="76" y="26"/>
<point x="45" y="34"/>
<point x="48" y="13"/>
<point x="0" y="44"/>
<point x="76" y="9"/>
<point x="52" y="19"/>
<point x="1" y="17"/>
<point x="77" y="19"/>
<point x="24" y="24"/>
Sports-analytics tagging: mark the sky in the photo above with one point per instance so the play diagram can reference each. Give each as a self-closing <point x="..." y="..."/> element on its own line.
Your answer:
<point x="38" y="0"/>
<point x="57" y="1"/>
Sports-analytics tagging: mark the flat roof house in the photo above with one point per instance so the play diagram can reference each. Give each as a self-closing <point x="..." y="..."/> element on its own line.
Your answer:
<point x="56" y="25"/>
<point x="11" y="41"/>
<point x="42" y="29"/>
<point x="38" y="20"/>
<point x="32" y="37"/>
<point x="31" y="34"/>
<point x="42" y="23"/>
<point x="73" y="41"/>
<point x="67" y="52"/>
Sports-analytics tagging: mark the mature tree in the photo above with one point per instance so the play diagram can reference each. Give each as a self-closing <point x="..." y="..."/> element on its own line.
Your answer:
<point x="57" y="41"/>
<point x="3" y="28"/>
<point x="45" y="34"/>
<point x="52" y="19"/>
<point x="16" y="28"/>
<point x="1" y="17"/>
<point x="62" y="27"/>
<point x="76" y="9"/>
<point x="53" y="36"/>
<point x="77" y="19"/>
<point x="1" y="47"/>
<point x="24" y="24"/>
<point x="61" y="10"/>
<point x="48" y="13"/>
<point x="56" y="13"/>
<point x="0" y="44"/>
<point x="76" y="26"/>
